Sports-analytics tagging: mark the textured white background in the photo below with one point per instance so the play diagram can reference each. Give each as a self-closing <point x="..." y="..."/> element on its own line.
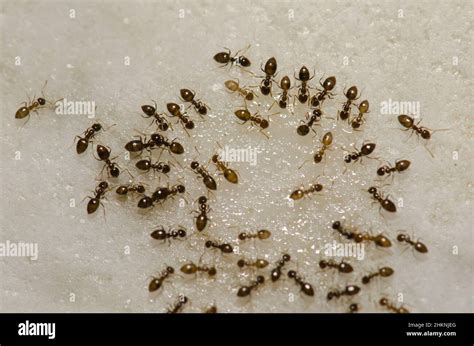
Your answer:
<point x="408" y="58"/>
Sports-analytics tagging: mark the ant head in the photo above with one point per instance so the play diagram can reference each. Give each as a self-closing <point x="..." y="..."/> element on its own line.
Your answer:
<point x="260" y="279"/>
<point x="215" y="158"/>
<point x="291" y="274"/>
<point x="114" y="171"/>
<point x="202" y="200"/>
<point x="103" y="185"/>
<point x="163" y="126"/>
<point x="372" y="189"/>
<point x="264" y="124"/>
<point x="208" y="243"/>
<point x="425" y="134"/>
<point x="381" y="171"/>
<point x="336" y="225"/>
<point x="181" y="233"/>
<point x="348" y="158"/>
<point x="286" y="257"/>
<point x="194" y="164"/>
<point x="96" y="127"/>
<point x="140" y="189"/>
<point x="41" y="101"/>
<point x="383" y="301"/>
<point x="170" y="269"/>
<point x="189" y="125"/>
<point x="166" y="168"/>
<point x="241" y="263"/>
<point x="180" y="188"/>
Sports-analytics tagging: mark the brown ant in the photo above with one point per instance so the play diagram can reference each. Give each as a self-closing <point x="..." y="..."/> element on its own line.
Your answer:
<point x="326" y="141"/>
<point x="88" y="134"/>
<point x="365" y="150"/>
<point x="351" y="95"/>
<point x="354" y="307"/>
<point x="303" y="129"/>
<point x="383" y="272"/>
<point x="400" y="166"/>
<point x="162" y="234"/>
<point x="156" y="140"/>
<point x="385" y="203"/>
<point x="32" y="106"/>
<point x="157" y="281"/>
<point x="223" y="247"/>
<point x="146" y="165"/>
<point x="262" y="235"/>
<point x="234" y="86"/>
<point x="211" y="310"/>
<point x="202" y="218"/>
<point x="94" y="202"/>
<point x="276" y="272"/>
<point x="359" y="119"/>
<point x="159" y="120"/>
<point x="409" y="123"/>
<point x="270" y="71"/>
<point x="226" y="58"/>
<point x="207" y="179"/>
<point x="256" y="119"/>
<point x="306" y="288"/>
<point x="389" y="306"/>
<point x="417" y="245"/>
<point x="342" y="267"/>
<point x="230" y="175"/>
<point x="175" y="111"/>
<point x="160" y="195"/>
<point x="349" y="290"/>
<point x="191" y="268"/>
<point x="104" y="155"/>
<point x="358" y="237"/>
<point x="189" y="96"/>
<point x="182" y="300"/>
<point x="125" y="189"/>
<point x="285" y="85"/>
<point x="301" y="192"/>
<point x="328" y="85"/>
<point x="304" y="78"/>
<point x="246" y="290"/>
<point x="258" y="263"/>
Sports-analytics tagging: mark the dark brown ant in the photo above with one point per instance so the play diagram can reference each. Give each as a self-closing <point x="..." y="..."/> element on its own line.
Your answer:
<point x="156" y="141"/>
<point x="358" y="237"/>
<point x="417" y="245"/>
<point x="94" y="202"/>
<point x="304" y="128"/>
<point x="342" y="267"/>
<point x="88" y="134"/>
<point x="385" y="203"/>
<point x="354" y="307"/>
<point x="262" y="235"/>
<point x="359" y="119"/>
<point x="206" y="177"/>
<point x="226" y="58"/>
<point x="223" y="247"/>
<point x="191" y="268"/>
<point x="202" y="218"/>
<point x="383" y="272"/>
<point x="157" y="281"/>
<point x="306" y="288"/>
<point x="270" y="71"/>
<point x="175" y="111"/>
<point x="246" y="290"/>
<point x="365" y="150"/>
<point x="304" y="78"/>
<point x="182" y="300"/>
<point x="159" y="119"/>
<point x="400" y="166"/>
<point x="189" y="96"/>
<point x="229" y="174"/>
<point x="258" y="263"/>
<point x="125" y="189"/>
<point x="409" y="123"/>
<point x="351" y="95"/>
<point x="146" y="165"/>
<point x="256" y="119"/>
<point x="326" y="141"/>
<point x="162" y="234"/>
<point x="301" y="192"/>
<point x="389" y="306"/>
<point x="327" y="86"/>
<point x="285" y="85"/>
<point x="276" y="272"/>
<point x="160" y="195"/>
<point x="234" y="86"/>
<point x="104" y="155"/>
<point x="349" y="290"/>
<point x="32" y="106"/>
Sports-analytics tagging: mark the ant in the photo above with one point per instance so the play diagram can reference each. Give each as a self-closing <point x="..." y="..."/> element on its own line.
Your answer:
<point x="328" y="85"/>
<point x="234" y="86"/>
<point x="383" y="272"/>
<point x="349" y="290"/>
<point x="400" y="166"/>
<point x="223" y="247"/>
<point x="326" y="141"/>
<point x="262" y="235"/>
<point x="270" y="71"/>
<point x="104" y="155"/>
<point x="304" y="78"/>
<point x="160" y="194"/>
<point x="246" y="290"/>
<point x="156" y="140"/>
<point x="201" y="219"/>
<point x="230" y="175"/>
<point x="226" y="58"/>
<point x="354" y="307"/>
<point x="389" y="306"/>
<point x="365" y="150"/>
<point x="146" y="165"/>
<point x="306" y="288"/>
<point x="162" y="234"/>
<point x="32" y="106"/>
<point x="285" y="85"/>
<point x="161" y="122"/>
<point x="94" y="202"/>
<point x="175" y="111"/>
<point x="207" y="179"/>
<point x="303" y="129"/>
<point x="157" y="281"/>
<point x="418" y="246"/>
<point x="409" y="123"/>
<point x="385" y="203"/>
<point x="125" y="189"/>
<point x="351" y="95"/>
<point x="182" y="300"/>
<point x="359" y="119"/>
<point x="301" y="192"/>
<point x="342" y="267"/>
<point x="258" y="263"/>
<point x="211" y="310"/>
<point x="189" y="96"/>
<point x="256" y="119"/>
<point x="379" y="240"/>
<point x="276" y="272"/>
<point x="88" y="134"/>
<point x="191" y="268"/>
